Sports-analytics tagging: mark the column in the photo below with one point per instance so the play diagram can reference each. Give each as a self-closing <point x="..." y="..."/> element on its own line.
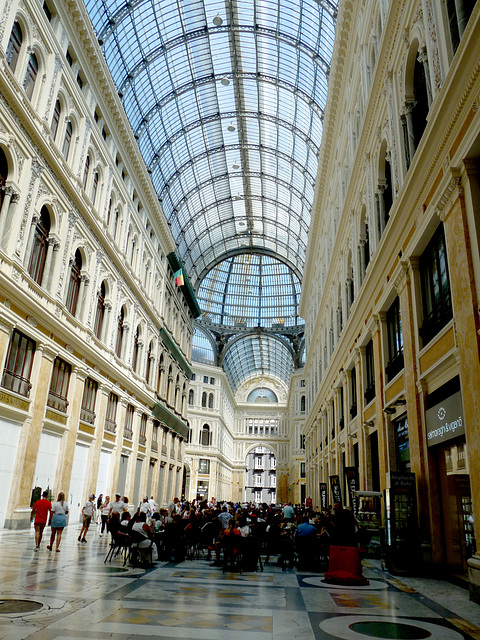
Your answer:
<point x="467" y="329"/>
<point x="69" y="438"/>
<point x="30" y="439"/>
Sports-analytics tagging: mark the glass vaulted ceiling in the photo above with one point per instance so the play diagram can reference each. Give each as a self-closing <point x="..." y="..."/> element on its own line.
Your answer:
<point x="226" y="100"/>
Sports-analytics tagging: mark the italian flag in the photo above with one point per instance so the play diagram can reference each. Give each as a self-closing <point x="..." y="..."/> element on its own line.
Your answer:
<point x="178" y="275"/>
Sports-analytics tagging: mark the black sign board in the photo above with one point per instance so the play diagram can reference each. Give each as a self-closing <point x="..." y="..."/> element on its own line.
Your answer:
<point x="323" y="496"/>
<point x="445" y="421"/>
<point x="336" y="490"/>
<point x="351" y="476"/>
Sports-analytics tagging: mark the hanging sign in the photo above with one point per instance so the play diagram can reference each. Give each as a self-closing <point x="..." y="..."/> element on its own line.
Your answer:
<point x="336" y="490"/>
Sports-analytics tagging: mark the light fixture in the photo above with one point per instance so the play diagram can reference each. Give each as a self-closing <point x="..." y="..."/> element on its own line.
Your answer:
<point x="235" y="166"/>
<point x="389" y="410"/>
<point x="353" y="436"/>
<point x="218" y="20"/>
<point x="231" y="127"/>
<point x="400" y="402"/>
<point x="225" y="81"/>
<point x="368" y="423"/>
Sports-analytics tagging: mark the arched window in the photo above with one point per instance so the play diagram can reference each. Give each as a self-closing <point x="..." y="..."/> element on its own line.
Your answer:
<point x="86" y="170"/>
<point x="115" y="226"/>
<point x="191" y="397"/>
<point x="148" y="363"/>
<point x="40" y="246"/>
<point x="56" y="119"/>
<point x="3" y="176"/>
<point x="67" y="141"/>
<point x="120" y="332"/>
<point x="136" y="349"/>
<point x="132" y="253"/>
<point x="14" y="46"/>
<point x="205" y="435"/>
<point x="100" y="313"/>
<point x="31" y="75"/>
<point x="204" y="399"/>
<point x="109" y="212"/>
<point x="421" y="107"/>
<point x="74" y="284"/>
<point x="210" y="401"/>
<point x="94" y="187"/>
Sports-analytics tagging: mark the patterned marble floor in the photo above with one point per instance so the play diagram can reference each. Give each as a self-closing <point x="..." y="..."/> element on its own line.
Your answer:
<point x="78" y="596"/>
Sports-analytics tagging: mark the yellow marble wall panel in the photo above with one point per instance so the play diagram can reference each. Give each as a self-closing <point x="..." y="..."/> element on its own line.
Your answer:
<point x="109" y="436"/>
<point x="370" y="412"/>
<point x="394" y="389"/>
<point x="438" y="349"/>
<point x="86" y="428"/>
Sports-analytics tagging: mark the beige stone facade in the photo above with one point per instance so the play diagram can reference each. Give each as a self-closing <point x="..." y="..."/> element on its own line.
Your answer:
<point x="391" y="289"/>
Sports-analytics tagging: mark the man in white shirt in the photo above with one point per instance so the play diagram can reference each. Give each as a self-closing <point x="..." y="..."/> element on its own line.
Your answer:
<point x="144" y="507"/>
<point x="153" y="505"/>
<point x="87" y="512"/>
<point x="116" y="506"/>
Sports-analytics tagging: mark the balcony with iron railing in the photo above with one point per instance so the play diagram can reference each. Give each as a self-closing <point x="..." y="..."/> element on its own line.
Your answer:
<point x="128" y="433"/>
<point x="142" y="440"/>
<point x="55" y="401"/>
<point x="86" y="415"/>
<point x="16" y="383"/>
<point x="110" y="426"/>
<point x="154" y="446"/>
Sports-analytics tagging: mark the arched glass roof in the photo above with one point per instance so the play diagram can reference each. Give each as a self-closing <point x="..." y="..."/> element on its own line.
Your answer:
<point x="259" y="354"/>
<point x="251" y="290"/>
<point x="226" y="100"/>
<point x="262" y="394"/>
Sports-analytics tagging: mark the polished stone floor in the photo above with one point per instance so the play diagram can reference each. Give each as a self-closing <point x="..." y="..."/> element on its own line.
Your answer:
<point x="73" y="594"/>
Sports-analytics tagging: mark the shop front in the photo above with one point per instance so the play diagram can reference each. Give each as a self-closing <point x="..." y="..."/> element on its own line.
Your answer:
<point x="445" y="424"/>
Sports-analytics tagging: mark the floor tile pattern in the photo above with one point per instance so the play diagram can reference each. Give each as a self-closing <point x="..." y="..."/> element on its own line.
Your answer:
<point x="81" y="597"/>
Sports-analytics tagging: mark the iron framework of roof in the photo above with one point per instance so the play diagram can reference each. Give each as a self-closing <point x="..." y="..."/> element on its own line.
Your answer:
<point x="226" y="100"/>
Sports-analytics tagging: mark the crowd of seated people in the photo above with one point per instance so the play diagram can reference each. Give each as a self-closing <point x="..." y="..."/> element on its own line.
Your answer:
<point x="297" y="536"/>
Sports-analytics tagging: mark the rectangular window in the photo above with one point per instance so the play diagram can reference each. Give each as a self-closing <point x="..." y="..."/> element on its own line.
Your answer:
<point x="142" y="437"/>
<point x="437" y="303"/>
<point x="203" y="465"/>
<point x="302" y="470"/>
<point x="212" y="380"/>
<point x="369" y="373"/>
<point x="57" y="395"/>
<point x="110" y="424"/>
<point x="205" y="379"/>
<point x="128" y="429"/>
<point x="18" y="366"/>
<point x="258" y="480"/>
<point x="155" y="435"/>
<point x="87" y="410"/>
<point x="395" y="341"/>
<point x="353" y="393"/>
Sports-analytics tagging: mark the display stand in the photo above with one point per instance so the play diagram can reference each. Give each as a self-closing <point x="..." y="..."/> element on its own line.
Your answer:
<point x="369" y="520"/>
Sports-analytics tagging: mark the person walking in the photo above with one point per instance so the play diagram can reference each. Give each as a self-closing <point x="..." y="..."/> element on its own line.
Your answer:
<point x="87" y="513"/>
<point x="104" y="511"/>
<point x="58" y="521"/>
<point x="41" y="509"/>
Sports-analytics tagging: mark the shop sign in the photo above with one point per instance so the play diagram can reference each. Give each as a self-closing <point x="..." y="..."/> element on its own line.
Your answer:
<point x="445" y="420"/>
<point x="336" y="491"/>
<point x="323" y="496"/>
<point x="351" y="475"/>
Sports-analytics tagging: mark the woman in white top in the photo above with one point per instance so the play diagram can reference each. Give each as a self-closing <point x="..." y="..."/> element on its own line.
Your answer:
<point x="58" y="520"/>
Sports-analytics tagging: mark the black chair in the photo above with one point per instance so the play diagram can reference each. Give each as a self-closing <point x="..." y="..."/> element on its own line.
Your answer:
<point x="119" y="545"/>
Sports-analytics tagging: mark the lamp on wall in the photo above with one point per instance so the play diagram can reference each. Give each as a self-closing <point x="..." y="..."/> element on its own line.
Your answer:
<point x="368" y="423"/>
<point x="389" y="410"/>
<point x="401" y="401"/>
